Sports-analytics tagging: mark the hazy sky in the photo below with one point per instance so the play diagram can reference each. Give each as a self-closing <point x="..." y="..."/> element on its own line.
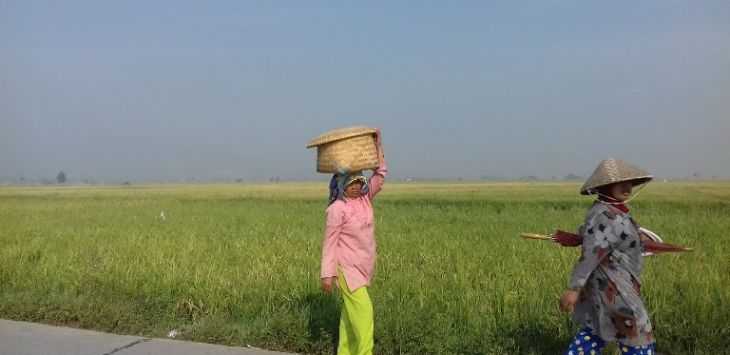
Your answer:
<point x="168" y="90"/>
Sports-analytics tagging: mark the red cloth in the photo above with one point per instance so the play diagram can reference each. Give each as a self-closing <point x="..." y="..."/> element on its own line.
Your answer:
<point x="621" y="206"/>
<point x="568" y="239"/>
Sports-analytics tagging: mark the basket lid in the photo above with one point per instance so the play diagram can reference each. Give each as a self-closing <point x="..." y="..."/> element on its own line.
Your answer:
<point x="342" y="133"/>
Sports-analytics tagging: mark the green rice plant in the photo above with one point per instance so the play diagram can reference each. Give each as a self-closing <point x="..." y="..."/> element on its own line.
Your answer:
<point x="239" y="264"/>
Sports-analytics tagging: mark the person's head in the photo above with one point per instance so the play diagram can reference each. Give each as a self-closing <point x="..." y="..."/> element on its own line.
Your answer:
<point x="347" y="186"/>
<point x="619" y="192"/>
<point x="353" y="189"/>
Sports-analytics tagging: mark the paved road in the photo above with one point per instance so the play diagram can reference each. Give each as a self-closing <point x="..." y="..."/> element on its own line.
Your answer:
<point x="22" y="338"/>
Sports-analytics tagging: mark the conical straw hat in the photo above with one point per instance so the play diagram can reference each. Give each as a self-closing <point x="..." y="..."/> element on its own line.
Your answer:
<point x="612" y="170"/>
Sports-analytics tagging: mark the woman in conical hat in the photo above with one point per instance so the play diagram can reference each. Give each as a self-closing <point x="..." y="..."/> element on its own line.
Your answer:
<point x="348" y="253"/>
<point x="605" y="285"/>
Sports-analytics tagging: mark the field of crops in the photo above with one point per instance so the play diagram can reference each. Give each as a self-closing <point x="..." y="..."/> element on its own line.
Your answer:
<point x="239" y="264"/>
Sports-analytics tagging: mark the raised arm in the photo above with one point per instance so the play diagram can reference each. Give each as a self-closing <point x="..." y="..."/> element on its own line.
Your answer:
<point x="378" y="178"/>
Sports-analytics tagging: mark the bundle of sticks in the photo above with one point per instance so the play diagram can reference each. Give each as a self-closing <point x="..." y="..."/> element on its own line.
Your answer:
<point x="652" y="242"/>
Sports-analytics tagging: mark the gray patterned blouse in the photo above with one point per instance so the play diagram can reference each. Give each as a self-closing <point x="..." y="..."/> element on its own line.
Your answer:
<point x="608" y="275"/>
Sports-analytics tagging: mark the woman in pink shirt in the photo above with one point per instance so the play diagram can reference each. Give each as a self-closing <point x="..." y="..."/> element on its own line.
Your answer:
<point x="348" y="253"/>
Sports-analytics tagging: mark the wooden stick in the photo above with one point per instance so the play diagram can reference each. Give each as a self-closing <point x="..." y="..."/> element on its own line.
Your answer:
<point x="535" y="236"/>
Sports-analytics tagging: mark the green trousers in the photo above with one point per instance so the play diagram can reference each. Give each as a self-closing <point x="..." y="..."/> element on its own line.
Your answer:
<point x="356" y="321"/>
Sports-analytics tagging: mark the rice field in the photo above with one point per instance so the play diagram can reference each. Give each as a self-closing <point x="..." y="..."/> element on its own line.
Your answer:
<point x="238" y="264"/>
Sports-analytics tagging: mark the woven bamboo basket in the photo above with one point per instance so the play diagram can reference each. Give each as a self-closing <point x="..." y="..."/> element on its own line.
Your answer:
<point x="348" y="149"/>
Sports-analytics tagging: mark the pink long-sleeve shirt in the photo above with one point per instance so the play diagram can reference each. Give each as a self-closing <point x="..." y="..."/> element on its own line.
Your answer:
<point x="349" y="236"/>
